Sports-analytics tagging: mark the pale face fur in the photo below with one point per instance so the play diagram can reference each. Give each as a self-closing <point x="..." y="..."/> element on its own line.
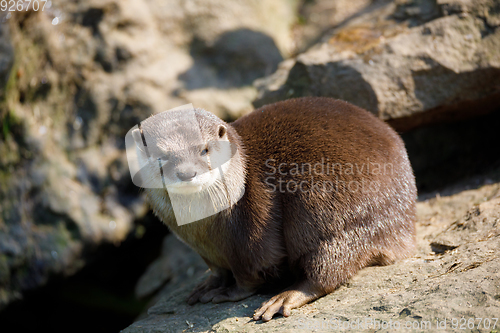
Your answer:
<point x="198" y="163"/>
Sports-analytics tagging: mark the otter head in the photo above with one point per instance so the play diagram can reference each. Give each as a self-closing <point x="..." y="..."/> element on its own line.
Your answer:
<point x="190" y="154"/>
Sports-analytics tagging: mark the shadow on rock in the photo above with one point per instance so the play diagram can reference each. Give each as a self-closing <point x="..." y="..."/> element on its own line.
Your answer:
<point x="235" y="59"/>
<point x="303" y="81"/>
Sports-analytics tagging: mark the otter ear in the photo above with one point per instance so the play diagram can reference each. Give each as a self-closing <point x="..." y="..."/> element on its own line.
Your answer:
<point x="136" y="134"/>
<point x="222" y="131"/>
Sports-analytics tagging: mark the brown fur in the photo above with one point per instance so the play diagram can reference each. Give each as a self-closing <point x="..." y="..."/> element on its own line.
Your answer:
<point x="322" y="238"/>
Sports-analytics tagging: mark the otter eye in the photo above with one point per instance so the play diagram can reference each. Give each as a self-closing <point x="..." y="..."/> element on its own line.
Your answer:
<point x="204" y="152"/>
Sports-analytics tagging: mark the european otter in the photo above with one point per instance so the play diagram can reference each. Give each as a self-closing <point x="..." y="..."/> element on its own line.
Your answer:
<point x="326" y="189"/>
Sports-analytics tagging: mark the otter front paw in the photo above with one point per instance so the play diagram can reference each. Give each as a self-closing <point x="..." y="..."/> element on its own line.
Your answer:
<point x="232" y="293"/>
<point x="213" y="282"/>
<point x="284" y="302"/>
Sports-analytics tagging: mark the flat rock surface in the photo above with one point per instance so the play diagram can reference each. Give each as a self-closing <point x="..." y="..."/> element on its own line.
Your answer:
<point x="454" y="276"/>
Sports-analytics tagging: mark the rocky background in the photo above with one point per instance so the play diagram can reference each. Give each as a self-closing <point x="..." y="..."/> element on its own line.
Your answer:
<point x="75" y="233"/>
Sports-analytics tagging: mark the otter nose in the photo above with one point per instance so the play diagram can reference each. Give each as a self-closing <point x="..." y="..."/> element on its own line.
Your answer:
<point x="186" y="176"/>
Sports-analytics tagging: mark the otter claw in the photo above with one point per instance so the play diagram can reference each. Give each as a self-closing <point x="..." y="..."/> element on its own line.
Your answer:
<point x="277" y="304"/>
<point x="283" y="303"/>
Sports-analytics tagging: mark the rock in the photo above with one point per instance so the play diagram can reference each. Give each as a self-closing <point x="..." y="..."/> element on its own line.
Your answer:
<point x="470" y="228"/>
<point x="316" y="18"/>
<point x="409" y="62"/>
<point x="237" y="57"/>
<point x="176" y="260"/>
<point x="456" y="279"/>
<point x="6" y="54"/>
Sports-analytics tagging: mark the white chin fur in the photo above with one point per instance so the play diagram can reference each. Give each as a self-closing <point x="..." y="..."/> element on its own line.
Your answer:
<point x="189" y="187"/>
<point x="185" y="188"/>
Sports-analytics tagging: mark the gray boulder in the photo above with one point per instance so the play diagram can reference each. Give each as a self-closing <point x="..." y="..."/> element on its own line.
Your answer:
<point x="409" y="62"/>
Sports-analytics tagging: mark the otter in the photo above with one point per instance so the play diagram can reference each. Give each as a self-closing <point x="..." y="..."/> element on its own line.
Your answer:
<point x="315" y="189"/>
